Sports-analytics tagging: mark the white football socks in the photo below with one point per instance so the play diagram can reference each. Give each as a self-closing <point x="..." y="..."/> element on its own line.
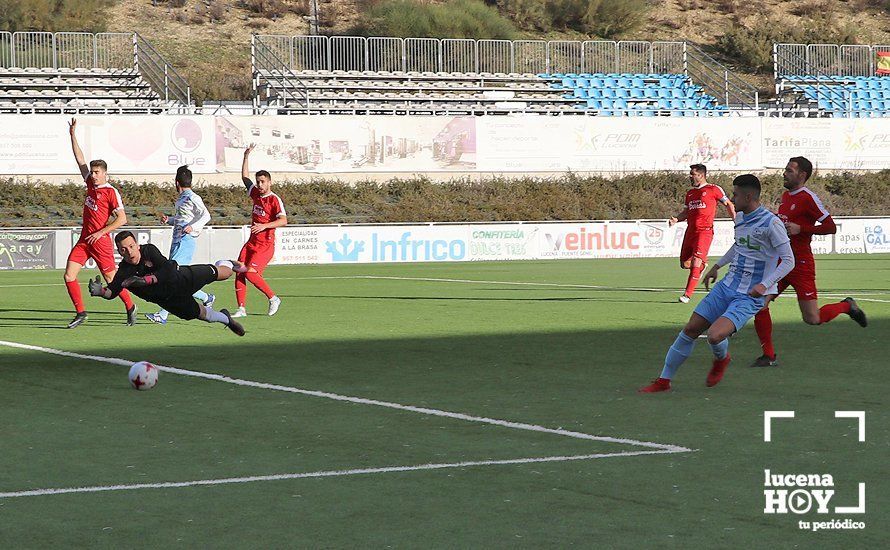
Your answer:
<point x="215" y="316"/>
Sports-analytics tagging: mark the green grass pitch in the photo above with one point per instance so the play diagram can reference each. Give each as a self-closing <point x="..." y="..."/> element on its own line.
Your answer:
<point x="566" y="352"/>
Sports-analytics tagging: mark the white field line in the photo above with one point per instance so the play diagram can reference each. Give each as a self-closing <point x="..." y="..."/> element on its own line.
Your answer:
<point x="655" y="448"/>
<point x="357" y="400"/>
<point x="328" y="473"/>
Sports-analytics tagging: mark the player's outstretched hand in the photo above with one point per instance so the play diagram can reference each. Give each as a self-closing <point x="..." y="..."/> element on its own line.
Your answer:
<point x="72" y="125"/>
<point x="671" y="221"/>
<point x="95" y="286"/>
<point x="710" y="277"/>
<point x="249" y="149"/>
<point x="134" y="282"/>
<point x="139" y="282"/>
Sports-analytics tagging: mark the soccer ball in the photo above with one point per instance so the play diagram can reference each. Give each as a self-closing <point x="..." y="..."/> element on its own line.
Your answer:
<point x="143" y="375"/>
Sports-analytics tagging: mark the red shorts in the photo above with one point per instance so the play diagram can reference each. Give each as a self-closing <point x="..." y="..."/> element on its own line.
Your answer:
<point x="803" y="279"/>
<point x="696" y="244"/>
<point x="102" y="251"/>
<point x="257" y="256"/>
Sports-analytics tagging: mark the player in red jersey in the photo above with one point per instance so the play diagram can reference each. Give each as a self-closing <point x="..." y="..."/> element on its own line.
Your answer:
<point x="268" y="213"/>
<point x="101" y="202"/>
<point x="699" y="211"/>
<point x="804" y="216"/>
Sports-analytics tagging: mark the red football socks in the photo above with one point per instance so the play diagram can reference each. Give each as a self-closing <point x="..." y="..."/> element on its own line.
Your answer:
<point x="240" y="289"/>
<point x="257" y="280"/>
<point x="830" y="311"/>
<point x="763" y="325"/>
<point x="125" y="296"/>
<point x="692" y="281"/>
<point x="74" y="292"/>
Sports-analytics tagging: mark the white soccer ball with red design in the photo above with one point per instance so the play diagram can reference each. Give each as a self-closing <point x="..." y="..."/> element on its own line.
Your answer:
<point x="143" y="375"/>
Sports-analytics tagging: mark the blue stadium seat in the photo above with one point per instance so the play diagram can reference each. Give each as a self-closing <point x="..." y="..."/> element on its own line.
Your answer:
<point x="637" y="82"/>
<point x="609" y="93"/>
<point x="665" y="93"/>
<point x="637" y="93"/>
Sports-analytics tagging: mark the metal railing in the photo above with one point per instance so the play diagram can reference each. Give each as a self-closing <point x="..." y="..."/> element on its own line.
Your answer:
<point x="25" y="50"/>
<point x="844" y="60"/>
<point x="124" y="51"/>
<point x="356" y="53"/>
<point x="162" y="77"/>
<point x="272" y="72"/>
<point x="829" y="86"/>
<point x="286" y="54"/>
<point x="718" y="81"/>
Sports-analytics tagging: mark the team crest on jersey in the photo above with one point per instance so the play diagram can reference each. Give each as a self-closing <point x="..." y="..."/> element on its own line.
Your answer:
<point x="90" y="203"/>
<point x="793" y="206"/>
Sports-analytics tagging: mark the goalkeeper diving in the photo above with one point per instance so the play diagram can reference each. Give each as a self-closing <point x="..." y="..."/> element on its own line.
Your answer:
<point x="145" y="272"/>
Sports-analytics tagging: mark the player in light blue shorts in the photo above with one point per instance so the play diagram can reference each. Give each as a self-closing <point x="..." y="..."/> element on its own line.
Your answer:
<point x="760" y="257"/>
<point x="190" y="218"/>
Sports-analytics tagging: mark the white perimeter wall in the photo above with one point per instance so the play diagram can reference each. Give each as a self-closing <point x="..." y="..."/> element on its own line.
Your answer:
<point x="133" y="145"/>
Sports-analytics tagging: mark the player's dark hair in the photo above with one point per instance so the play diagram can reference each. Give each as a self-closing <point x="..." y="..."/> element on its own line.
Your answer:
<point x="749" y="182"/>
<point x="804" y="164"/>
<point x="263" y="173"/>
<point x="100" y="163"/>
<point x="700" y="168"/>
<point x="184" y="176"/>
<point x="119" y="238"/>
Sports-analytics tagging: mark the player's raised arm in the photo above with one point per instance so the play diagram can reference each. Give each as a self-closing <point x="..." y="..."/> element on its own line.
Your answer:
<point x="245" y="170"/>
<point x="75" y="148"/>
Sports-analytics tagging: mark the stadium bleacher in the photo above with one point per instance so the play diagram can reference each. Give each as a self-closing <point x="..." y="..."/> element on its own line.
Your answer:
<point x="353" y="75"/>
<point x="831" y="80"/>
<point x="85" y="73"/>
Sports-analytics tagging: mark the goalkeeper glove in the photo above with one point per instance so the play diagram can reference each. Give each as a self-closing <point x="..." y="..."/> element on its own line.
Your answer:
<point x="96" y="287"/>
<point x="138" y="282"/>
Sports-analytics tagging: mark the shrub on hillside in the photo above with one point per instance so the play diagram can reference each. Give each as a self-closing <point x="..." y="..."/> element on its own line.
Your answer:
<point x="752" y="46"/>
<point x="602" y="18"/>
<point x="453" y="19"/>
<point x="53" y="15"/>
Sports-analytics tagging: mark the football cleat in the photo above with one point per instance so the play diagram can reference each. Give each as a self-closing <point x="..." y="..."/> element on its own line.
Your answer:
<point x="716" y="373"/>
<point x="274" y="304"/>
<point x="78" y="320"/>
<point x="210" y="299"/>
<point x="131" y="316"/>
<point x="657" y="385"/>
<point x="156" y="318"/>
<point x="855" y="313"/>
<point x="765" y="361"/>
<point x="240" y="312"/>
<point x="684" y="299"/>
<point x="233" y="325"/>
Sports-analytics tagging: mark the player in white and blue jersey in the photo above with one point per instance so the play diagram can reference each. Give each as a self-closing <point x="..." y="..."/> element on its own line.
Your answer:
<point x="760" y="257"/>
<point x="189" y="219"/>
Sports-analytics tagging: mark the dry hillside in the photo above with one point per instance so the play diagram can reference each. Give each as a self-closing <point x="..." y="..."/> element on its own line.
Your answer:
<point x="208" y="40"/>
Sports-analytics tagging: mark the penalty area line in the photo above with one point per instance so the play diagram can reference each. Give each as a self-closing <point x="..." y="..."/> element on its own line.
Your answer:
<point x="325" y="473"/>
<point x="362" y="401"/>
